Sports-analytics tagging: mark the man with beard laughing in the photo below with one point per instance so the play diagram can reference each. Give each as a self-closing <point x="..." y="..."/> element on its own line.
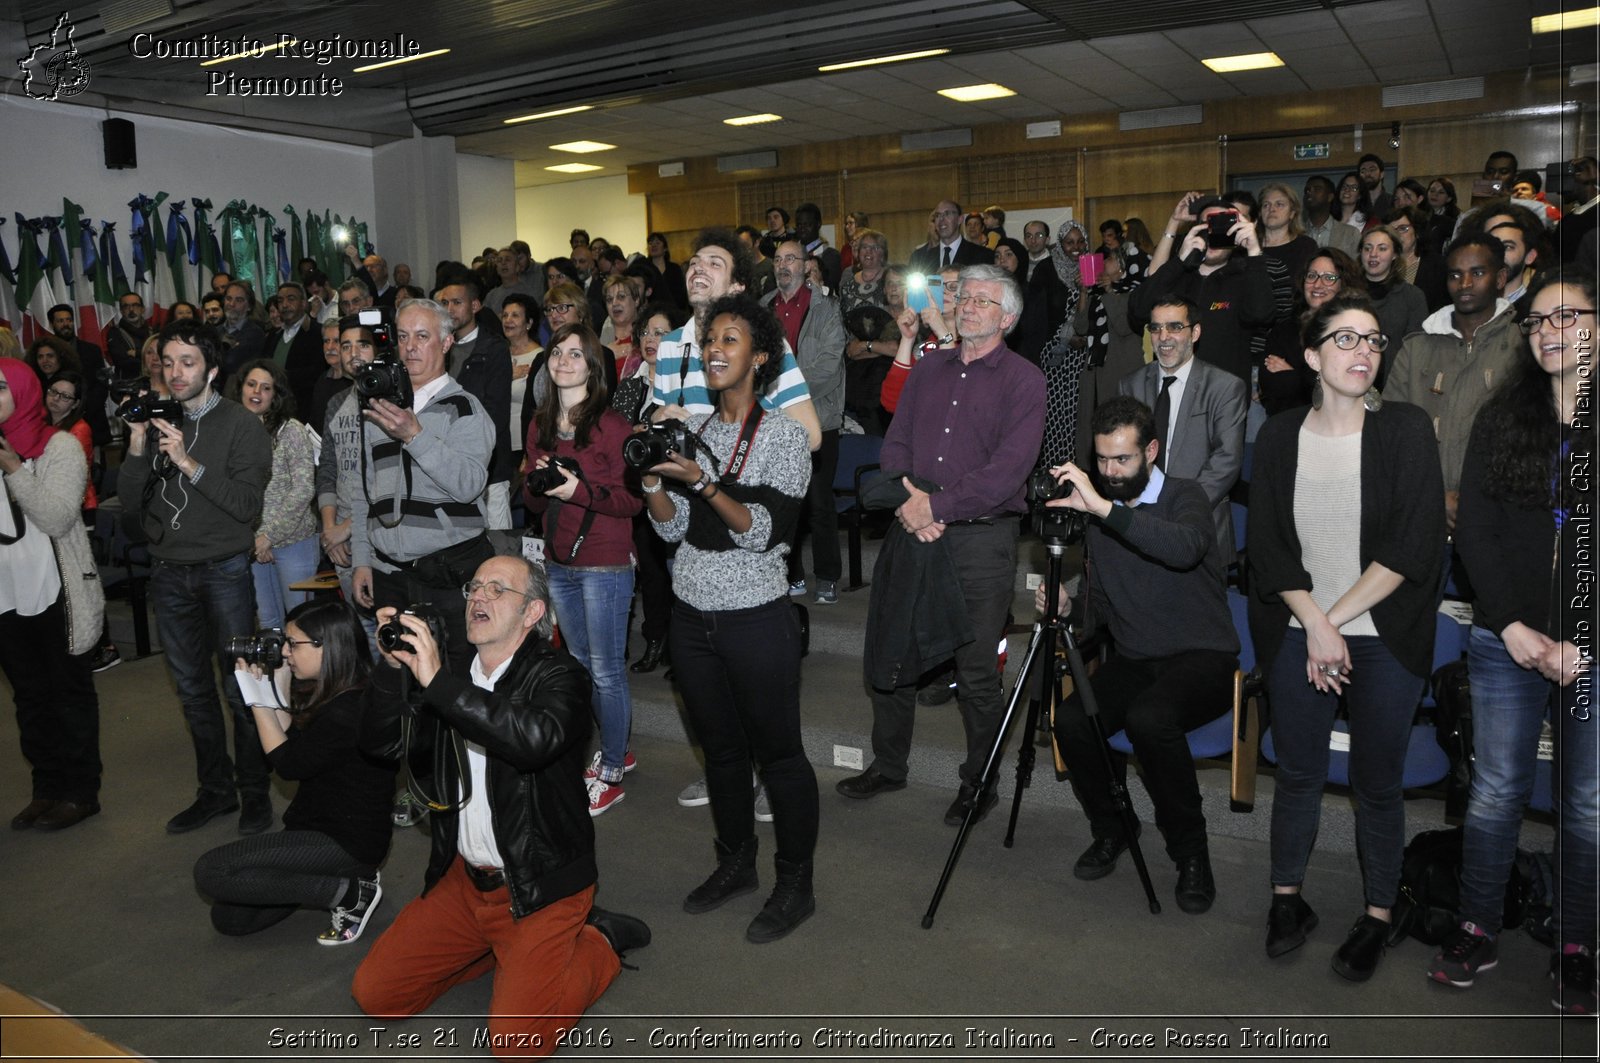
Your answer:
<point x="1155" y="573"/>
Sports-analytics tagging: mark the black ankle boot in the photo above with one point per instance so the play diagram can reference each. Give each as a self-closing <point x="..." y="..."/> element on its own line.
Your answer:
<point x="735" y="875"/>
<point x="790" y="905"/>
<point x="654" y="652"/>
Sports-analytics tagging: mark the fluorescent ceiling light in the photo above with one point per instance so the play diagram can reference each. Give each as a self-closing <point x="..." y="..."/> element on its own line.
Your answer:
<point x="1567" y="20"/>
<point x="582" y="147"/>
<point x="573" y="167"/>
<point x="252" y="53"/>
<point x="901" y="58"/>
<point x="753" y="119"/>
<point x="1232" y="64"/>
<point x="549" y="114"/>
<point x="973" y="93"/>
<point x="397" y="62"/>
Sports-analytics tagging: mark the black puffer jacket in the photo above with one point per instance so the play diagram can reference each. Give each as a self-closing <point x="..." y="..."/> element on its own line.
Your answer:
<point x="535" y="727"/>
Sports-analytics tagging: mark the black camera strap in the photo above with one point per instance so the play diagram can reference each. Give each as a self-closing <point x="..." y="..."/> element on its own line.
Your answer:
<point x="741" y="450"/>
<point x="555" y="518"/>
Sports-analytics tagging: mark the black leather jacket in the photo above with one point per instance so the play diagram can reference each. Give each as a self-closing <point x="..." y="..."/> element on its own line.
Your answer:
<point x="535" y="727"/>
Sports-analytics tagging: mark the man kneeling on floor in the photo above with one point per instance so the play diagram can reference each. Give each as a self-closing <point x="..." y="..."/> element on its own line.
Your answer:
<point x="1156" y="574"/>
<point x="511" y="878"/>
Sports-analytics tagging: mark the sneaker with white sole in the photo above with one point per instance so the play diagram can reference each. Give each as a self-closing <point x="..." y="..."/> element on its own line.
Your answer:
<point x="695" y="794"/>
<point x="1464" y="955"/>
<point x="1572" y="969"/>
<point x="593" y="770"/>
<point x="104" y="658"/>
<point x="797" y="588"/>
<point x="348" y="923"/>
<point x="763" y="805"/>
<point x="407" y="811"/>
<point x="602" y="795"/>
<point x="827" y="592"/>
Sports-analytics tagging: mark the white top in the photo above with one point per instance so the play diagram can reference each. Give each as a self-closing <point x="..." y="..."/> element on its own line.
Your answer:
<point x="518" y="390"/>
<point x="29" y="580"/>
<point x="1327" y="517"/>
<point x="476" y="842"/>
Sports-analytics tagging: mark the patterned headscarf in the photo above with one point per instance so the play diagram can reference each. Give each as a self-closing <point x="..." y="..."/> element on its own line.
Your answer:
<point x="1066" y="268"/>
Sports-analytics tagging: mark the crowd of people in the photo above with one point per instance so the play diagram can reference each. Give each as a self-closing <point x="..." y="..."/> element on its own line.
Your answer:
<point x="1413" y="377"/>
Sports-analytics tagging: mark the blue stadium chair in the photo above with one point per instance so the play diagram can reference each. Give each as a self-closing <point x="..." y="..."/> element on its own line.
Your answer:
<point x="858" y="456"/>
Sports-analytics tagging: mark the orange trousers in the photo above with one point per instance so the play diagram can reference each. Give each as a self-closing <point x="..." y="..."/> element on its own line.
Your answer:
<point x="549" y="967"/>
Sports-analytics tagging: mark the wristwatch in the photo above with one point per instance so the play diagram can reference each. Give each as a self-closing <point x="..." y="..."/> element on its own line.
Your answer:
<point x="701" y="484"/>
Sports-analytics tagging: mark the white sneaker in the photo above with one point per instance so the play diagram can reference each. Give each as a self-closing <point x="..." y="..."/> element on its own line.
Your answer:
<point x="348" y="923"/>
<point x="763" y="805"/>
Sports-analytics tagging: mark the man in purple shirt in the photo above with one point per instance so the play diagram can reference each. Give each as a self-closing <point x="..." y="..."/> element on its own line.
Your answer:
<point x="970" y="420"/>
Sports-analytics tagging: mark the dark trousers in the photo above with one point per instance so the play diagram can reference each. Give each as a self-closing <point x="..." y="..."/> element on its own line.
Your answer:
<point x="1158" y="701"/>
<point x="58" y="712"/>
<point x="821" y="516"/>
<point x="652" y="579"/>
<point x="262" y="880"/>
<point x="198" y="608"/>
<point x="985" y="557"/>
<point x="739" y="671"/>
<point x="1381" y="699"/>
<point x="401" y="589"/>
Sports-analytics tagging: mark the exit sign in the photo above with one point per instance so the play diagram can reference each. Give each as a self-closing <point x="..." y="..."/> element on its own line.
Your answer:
<point x="1303" y="152"/>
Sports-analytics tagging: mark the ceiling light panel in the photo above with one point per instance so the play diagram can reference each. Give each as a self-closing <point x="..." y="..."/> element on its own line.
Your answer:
<point x="974" y="93"/>
<point x="583" y="147"/>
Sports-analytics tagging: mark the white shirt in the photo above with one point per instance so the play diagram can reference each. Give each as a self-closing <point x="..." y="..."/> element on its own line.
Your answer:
<point x="476" y="842"/>
<point x="1175" y="400"/>
<point x="29" y="580"/>
<point x="420" y="397"/>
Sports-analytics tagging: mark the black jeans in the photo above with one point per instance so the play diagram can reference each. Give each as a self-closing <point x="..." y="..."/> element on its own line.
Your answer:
<point x="652" y="579"/>
<point x="58" y="712"/>
<point x="739" y="670"/>
<point x="985" y="557"/>
<point x="1157" y="701"/>
<point x="820" y="517"/>
<point x="262" y="880"/>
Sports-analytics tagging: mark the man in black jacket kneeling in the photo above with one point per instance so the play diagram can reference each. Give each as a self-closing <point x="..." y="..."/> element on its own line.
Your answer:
<point x="511" y="877"/>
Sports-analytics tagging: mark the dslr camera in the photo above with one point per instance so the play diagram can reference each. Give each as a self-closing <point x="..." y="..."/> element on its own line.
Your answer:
<point x="142" y="408"/>
<point x="384" y="377"/>
<point x="541" y="480"/>
<point x="393" y="635"/>
<point x="263" y="649"/>
<point x="653" y="446"/>
<point x="1042" y="488"/>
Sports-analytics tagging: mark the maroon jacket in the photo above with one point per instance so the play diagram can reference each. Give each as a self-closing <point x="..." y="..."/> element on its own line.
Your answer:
<point x="602" y="490"/>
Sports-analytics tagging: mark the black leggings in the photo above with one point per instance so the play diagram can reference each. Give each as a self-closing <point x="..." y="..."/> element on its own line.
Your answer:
<point x="261" y="880"/>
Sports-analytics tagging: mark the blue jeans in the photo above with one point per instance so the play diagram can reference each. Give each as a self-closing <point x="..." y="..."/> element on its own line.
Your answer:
<point x="1382" y="699"/>
<point x="592" y="611"/>
<point x="1509" y="705"/>
<point x="290" y="564"/>
<point x="198" y="608"/>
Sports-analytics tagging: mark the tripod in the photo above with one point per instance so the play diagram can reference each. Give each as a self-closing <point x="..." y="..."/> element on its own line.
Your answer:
<point x="1058" y="530"/>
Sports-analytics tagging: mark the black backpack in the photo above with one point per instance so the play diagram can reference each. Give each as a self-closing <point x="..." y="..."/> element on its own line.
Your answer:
<point x="1430" y="889"/>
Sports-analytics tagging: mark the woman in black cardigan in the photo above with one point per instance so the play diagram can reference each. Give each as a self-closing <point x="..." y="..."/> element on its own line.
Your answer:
<point x="1340" y="616"/>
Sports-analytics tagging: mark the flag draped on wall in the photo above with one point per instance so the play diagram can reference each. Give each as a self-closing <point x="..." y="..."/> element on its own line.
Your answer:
<point x="34" y="294"/>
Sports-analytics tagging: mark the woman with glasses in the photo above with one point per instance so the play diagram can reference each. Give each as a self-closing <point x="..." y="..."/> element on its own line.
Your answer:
<point x="735" y="641"/>
<point x="308" y="714"/>
<point x="1523" y="482"/>
<point x="1286" y="381"/>
<point x="577" y="479"/>
<point x="1344" y="545"/>
<point x="1416" y="266"/>
<point x="1400" y="307"/>
<point x="1350" y="203"/>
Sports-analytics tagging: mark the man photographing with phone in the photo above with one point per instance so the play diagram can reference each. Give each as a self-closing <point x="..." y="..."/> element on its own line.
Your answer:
<point x="1208" y="269"/>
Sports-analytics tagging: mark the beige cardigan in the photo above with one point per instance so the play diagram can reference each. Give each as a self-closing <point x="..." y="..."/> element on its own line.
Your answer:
<point x="51" y="495"/>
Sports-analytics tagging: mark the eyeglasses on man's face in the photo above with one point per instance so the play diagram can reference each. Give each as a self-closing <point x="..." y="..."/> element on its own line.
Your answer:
<point x="490" y="589"/>
<point x="982" y="302"/>
<point x="1172" y="328"/>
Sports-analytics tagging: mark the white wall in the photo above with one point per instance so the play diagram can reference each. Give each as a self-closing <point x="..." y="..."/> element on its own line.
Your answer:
<point x="56" y="151"/>
<point x="487" y="189"/>
<point x="602" y="205"/>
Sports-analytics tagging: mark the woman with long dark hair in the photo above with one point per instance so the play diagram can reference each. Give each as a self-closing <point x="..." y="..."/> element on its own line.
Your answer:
<point x="1286" y="381"/>
<point x="735" y="640"/>
<point x="1345" y="538"/>
<point x="1525" y="500"/>
<point x="671" y="286"/>
<point x="51" y="606"/>
<point x="578" y="481"/>
<point x="1443" y="212"/>
<point x="1351" y="203"/>
<point x="336" y="832"/>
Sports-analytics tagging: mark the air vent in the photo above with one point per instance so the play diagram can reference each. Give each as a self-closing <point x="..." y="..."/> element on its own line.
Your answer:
<point x="938" y="140"/>
<point x="1159" y="117"/>
<point x="754" y="160"/>
<point x="670" y="169"/>
<point x="1433" y="92"/>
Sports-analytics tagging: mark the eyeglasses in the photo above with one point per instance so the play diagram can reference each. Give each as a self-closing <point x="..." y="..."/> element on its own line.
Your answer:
<point x="980" y="301"/>
<point x="558" y="308"/>
<point x="292" y="643"/>
<point x="491" y="590"/>
<point x="1349" y="339"/>
<point x="1156" y="328"/>
<point x="1401" y="228"/>
<point x="1562" y="317"/>
<point x="59" y="396"/>
<point x="1325" y="278"/>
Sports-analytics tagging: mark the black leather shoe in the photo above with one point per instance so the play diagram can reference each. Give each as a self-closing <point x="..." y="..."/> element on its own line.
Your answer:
<point x="941" y="693"/>
<point x="257" y="814"/>
<point x="1358" y="957"/>
<point x="623" y="933"/>
<point x="1100" y="859"/>
<point x="868" y="784"/>
<point x="1289" y="920"/>
<point x="64" y="814"/>
<point x="206" y="808"/>
<point x="1196" y="888"/>
<point x="654" y="652"/>
<point x="958" y="808"/>
<point x="734" y="877"/>
<point x="791" y="904"/>
<point x="25" y="819"/>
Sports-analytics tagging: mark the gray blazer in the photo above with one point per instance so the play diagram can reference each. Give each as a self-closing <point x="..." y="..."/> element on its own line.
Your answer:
<point x="821" y="356"/>
<point x="1207" y="443"/>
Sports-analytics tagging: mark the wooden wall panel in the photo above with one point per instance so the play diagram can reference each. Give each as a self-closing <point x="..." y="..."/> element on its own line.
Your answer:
<point x="1174" y="168"/>
<point x="691" y="209"/>
<point x="1441" y="147"/>
<point x="756" y="195"/>
<point x="1153" y="208"/>
<point x="908" y="188"/>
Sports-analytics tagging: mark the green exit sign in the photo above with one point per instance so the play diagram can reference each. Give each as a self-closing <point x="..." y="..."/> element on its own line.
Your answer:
<point x="1303" y="152"/>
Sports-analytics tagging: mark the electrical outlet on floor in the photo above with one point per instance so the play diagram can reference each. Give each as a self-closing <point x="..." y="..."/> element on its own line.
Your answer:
<point x="847" y="757"/>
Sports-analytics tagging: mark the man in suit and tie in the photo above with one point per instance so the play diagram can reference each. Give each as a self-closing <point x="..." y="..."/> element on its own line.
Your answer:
<point x="952" y="250"/>
<point x="1199" y="410"/>
<point x="297" y="346"/>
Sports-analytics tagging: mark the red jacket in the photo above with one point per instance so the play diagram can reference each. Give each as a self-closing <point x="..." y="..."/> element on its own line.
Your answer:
<point x="603" y="490"/>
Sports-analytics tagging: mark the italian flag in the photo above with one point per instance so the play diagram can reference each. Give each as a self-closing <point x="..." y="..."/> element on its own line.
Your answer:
<point x="35" y="295"/>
